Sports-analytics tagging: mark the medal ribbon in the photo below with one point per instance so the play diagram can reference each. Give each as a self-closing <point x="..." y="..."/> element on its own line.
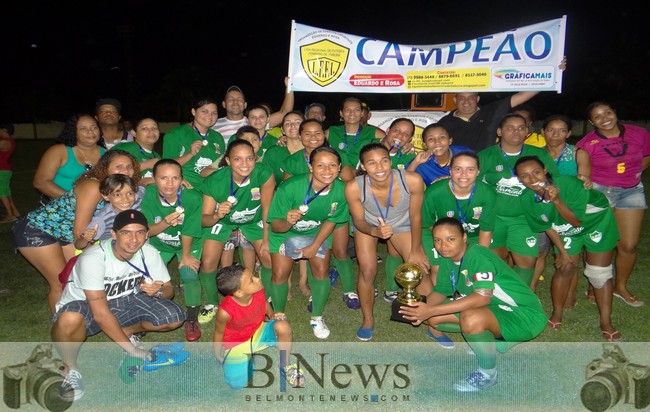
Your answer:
<point x="390" y="197"/>
<point x="505" y="156"/>
<point x="178" y="198"/>
<point x="354" y="142"/>
<point x="453" y="278"/>
<point x="204" y="138"/>
<point x="309" y="199"/>
<point x="145" y="272"/>
<point x="233" y="191"/>
<point x="462" y="217"/>
<point x="557" y="162"/>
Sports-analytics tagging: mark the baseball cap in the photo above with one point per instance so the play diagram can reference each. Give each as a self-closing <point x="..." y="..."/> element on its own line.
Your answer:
<point x="234" y="89"/>
<point x="128" y="217"/>
<point x="109" y="100"/>
<point x="365" y="106"/>
<point x="316" y="104"/>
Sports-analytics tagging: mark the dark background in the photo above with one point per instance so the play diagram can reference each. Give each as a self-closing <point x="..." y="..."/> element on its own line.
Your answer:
<point x="58" y="58"/>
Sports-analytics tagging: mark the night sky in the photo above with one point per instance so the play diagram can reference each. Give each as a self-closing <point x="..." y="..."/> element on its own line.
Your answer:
<point x="60" y="57"/>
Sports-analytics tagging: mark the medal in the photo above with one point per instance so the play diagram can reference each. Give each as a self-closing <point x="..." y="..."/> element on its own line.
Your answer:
<point x="179" y="206"/>
<point x="303" y="209"/>
<point x="232" y="199"/>
<point x="308" y="199"/>
<point x="205" y="142"/>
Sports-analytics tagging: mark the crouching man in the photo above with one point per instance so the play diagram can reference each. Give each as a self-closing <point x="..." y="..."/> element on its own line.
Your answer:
<point x="119" y="286"/>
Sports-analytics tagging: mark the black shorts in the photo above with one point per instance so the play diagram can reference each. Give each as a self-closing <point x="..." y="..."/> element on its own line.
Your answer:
<point x="26" y="235"/>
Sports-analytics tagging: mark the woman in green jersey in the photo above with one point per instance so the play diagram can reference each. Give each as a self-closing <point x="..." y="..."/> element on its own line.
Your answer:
<point x="480" y="293"/>
<point x="574" y="218"/>
<point x="304" y="213"/>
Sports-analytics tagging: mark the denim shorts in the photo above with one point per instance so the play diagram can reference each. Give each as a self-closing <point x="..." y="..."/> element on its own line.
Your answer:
<point x="26" y="235"/>
<point x="624" y="198"/>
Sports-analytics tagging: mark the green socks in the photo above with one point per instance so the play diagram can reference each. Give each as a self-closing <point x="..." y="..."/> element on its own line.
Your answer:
<point x="484" y="347"/>
<point x="346" y="274"/>
<point x="279" y="296"/>
<point x="209" y="283"/>
<point x="192" y="285"/>
<point x="320" y="291"/>
<point x="265" y="277"/>
<point x="392" y="262"/>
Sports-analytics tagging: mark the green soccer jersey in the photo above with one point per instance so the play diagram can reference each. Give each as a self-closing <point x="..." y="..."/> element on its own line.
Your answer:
<point x="329" y="205"/>
<point x="351" y="145"/>
<point x="298" y="163"/>
<point x="401" y="160"/>
<point x="268" y="141"/>
<point x="141" y="155"/>
<point x="589" y="206"/>
<point x="274" y="159"/>
<point x="248" y="209"/>
<point x="518" y="310"/>
<point x="476" y="212"/>
<point x="497" y="170"/>
<point x="178" y="142"/>
<point x="155" y="208"/>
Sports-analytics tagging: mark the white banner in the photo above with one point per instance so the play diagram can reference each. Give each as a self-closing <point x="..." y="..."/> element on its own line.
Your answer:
<point x="525" y="58"/>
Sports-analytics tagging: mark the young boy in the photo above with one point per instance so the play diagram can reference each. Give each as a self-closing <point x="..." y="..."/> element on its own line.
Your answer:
<point x="240" y="329"/>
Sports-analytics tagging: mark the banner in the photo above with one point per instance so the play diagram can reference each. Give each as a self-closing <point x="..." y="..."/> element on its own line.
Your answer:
<point x="522" y="59"/>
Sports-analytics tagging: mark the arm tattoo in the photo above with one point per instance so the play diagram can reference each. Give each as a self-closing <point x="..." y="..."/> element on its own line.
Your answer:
<point x="484" y="292"/>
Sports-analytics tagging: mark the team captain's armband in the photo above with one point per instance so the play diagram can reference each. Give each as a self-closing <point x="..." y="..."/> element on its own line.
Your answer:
<point x="484" y="277"/>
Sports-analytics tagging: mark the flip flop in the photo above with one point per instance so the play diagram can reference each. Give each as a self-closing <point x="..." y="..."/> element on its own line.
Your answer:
<point x="553" y="325"/>
<point x="633" y="301"/>
<point x="612" y="336"/>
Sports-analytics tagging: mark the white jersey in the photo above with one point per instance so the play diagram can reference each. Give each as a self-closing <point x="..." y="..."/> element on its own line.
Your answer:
<point x="228" y="127"/>
<point x="98" y="269"/>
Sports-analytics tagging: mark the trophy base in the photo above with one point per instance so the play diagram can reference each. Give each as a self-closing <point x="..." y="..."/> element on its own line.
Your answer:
<point x="396" y="316"/>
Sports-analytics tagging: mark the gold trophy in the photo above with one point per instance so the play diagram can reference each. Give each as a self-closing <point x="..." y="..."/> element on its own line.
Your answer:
<point x="408" y="276"/>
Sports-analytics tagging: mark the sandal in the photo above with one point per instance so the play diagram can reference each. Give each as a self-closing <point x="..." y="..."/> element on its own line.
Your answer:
<point x="632" y="301"/>
<point x="553" y="325"/>
<point x="612" y="336"/>
<point x="590" y="298"/>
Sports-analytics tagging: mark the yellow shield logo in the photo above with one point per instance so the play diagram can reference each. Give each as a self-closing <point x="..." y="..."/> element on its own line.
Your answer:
<point x="324" y="61"/>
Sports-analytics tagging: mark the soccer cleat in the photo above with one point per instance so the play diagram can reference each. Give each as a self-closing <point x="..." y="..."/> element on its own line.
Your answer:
<point x="310" y="305"/>
<point x="352" y="300"/>
<point x="475" y="381"/>
<point x="207" y="313"/>
<point x="163" y="359"/>
<point x="192" y="331"/>
<point x="376" y="293"/>
<point x="72" y="387"/>
<point x="171" y="347"/>
<point x="320" y="329"/>
<point x="293" y="375"/>
<point x="390" y="296"/>
<point x="129" y="368"/>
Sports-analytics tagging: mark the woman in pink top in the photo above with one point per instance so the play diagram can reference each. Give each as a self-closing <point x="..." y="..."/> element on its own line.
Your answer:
<point x="619" y="154"/>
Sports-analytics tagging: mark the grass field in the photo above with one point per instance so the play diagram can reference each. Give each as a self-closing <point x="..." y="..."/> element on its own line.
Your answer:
<point x="25" y="315"/>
